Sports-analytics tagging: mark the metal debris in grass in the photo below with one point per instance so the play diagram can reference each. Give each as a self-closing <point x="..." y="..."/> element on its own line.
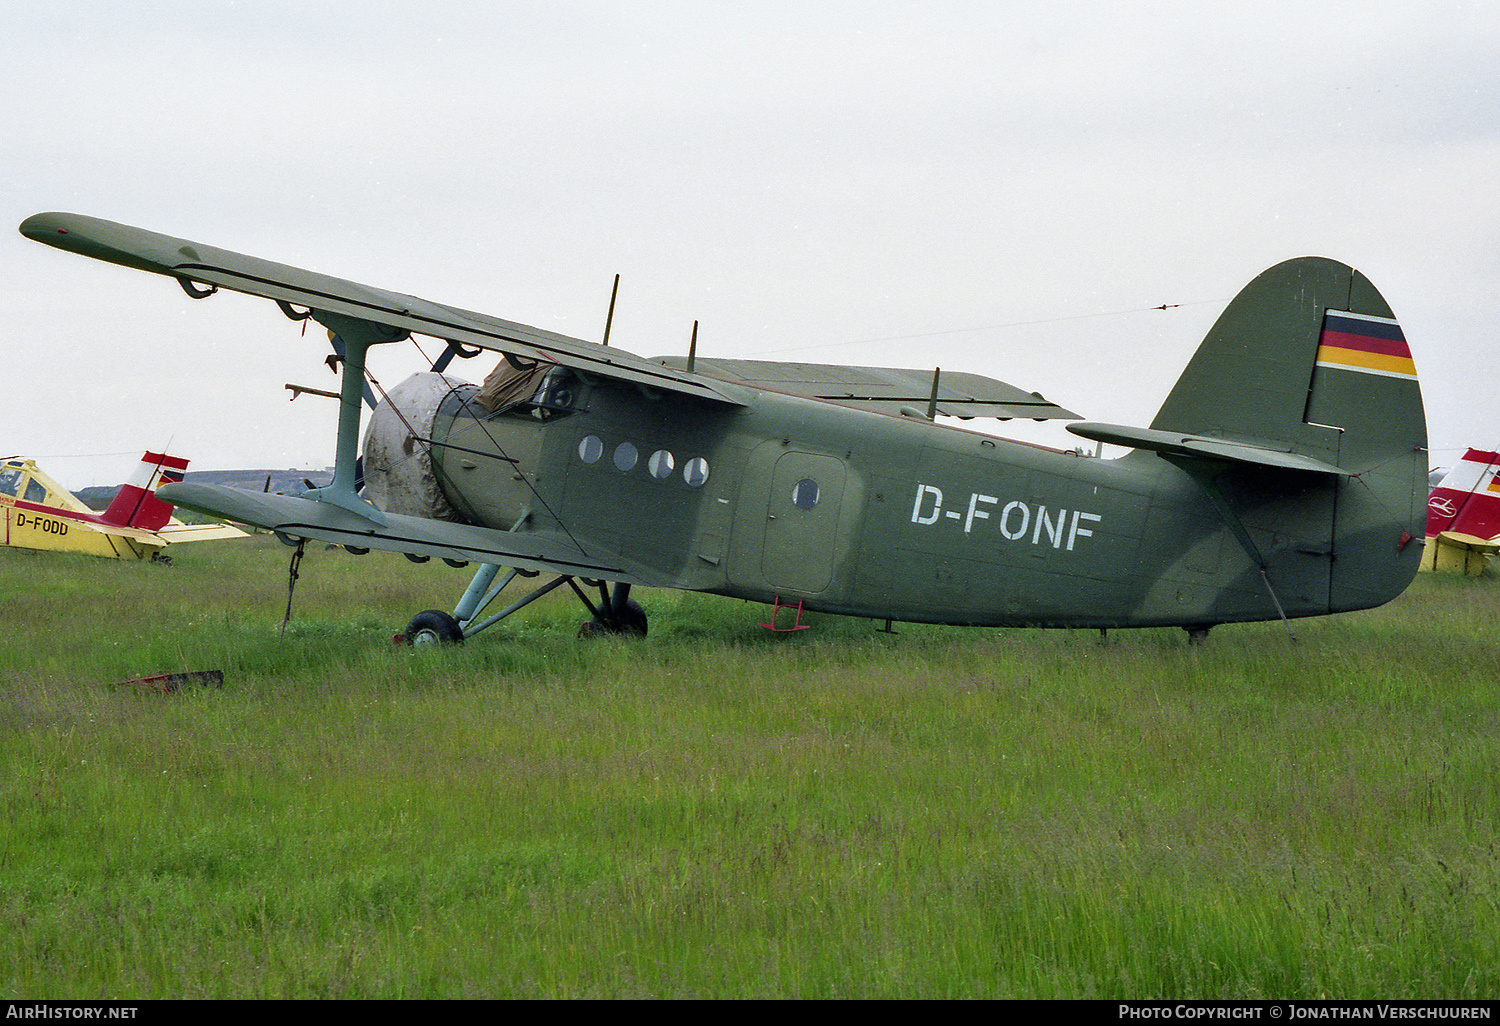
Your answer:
<point x="169" y="683"/>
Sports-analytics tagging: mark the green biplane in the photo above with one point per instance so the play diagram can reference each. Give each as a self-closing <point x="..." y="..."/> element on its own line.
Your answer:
<point x="1285" y="475"/>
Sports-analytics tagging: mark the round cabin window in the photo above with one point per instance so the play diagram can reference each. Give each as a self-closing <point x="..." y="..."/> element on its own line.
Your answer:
<point x="590" y="449"/>
<point x="661" y="464"/>
<point x="626" y="456"/>
<point x="805" y="493"/>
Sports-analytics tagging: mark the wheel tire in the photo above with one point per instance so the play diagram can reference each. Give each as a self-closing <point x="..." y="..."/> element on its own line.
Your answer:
<point x="432" y="628"/>
<point x="632" y="623"/>
<point x="632" y="619"/>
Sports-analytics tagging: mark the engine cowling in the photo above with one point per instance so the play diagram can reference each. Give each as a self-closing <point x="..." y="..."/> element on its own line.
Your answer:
<point x="398" y="469"/>
<point x="445" y="449"/>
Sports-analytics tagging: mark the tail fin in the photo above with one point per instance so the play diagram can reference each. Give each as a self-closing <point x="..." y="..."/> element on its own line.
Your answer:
<point x="137" y="505"/>
<point x="1308" y="360"/>
<point x="1467" y="500"/>
<point x="1463" y="516"/>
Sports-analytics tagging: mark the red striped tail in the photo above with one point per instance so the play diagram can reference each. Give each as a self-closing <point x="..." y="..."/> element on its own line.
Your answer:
<point x="1467" y="500"/>
<point x="137" y="504"/>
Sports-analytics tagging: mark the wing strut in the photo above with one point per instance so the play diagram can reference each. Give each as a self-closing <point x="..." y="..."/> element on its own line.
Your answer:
<point x="339" y="350"/>
<point x="454" y="349"/>
<point x="358" y="336"/>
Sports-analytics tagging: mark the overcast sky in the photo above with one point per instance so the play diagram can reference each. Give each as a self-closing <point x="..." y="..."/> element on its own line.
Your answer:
<point x="1003" y="188"/>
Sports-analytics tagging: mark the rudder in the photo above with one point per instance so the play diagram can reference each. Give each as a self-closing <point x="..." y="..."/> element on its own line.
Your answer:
<point x="136" y="505"/>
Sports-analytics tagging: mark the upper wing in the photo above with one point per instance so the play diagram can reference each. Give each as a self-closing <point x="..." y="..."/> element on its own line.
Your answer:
<point x="883" y="389"/>
<point x="191" y="262"/>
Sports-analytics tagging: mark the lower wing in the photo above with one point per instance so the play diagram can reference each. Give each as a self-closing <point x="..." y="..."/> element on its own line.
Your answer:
<point x="551" y="551"/>
<point x="177" y="533"/>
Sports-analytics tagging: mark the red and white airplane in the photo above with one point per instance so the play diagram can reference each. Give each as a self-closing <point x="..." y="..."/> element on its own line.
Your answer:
<point x="41" y="514"/>
<point x="1463" y="516"/>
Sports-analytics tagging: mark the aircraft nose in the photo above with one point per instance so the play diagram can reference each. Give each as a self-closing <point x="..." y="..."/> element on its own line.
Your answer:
<point x="398" y="469"/>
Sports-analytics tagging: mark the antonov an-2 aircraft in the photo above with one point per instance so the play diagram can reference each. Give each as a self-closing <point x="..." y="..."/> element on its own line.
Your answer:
<point x="1284" y="476"/>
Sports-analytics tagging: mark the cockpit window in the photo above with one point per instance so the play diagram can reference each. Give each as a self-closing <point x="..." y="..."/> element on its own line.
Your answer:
<point x="10" y="480"/>
<point x="35" y="491"/>
<point x="542" y="391"/>
<point x="559" y="392"/>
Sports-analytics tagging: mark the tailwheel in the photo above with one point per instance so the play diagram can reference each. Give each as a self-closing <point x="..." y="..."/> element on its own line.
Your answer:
<point x="432" y="628"/>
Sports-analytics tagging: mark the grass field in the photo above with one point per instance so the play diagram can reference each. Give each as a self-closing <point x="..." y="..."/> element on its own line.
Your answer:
<point x="717" y="812"/>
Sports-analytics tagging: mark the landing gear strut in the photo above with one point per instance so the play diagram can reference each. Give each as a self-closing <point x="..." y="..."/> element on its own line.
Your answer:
<point x="612" y="613"/>
<point x="616" y="613"/>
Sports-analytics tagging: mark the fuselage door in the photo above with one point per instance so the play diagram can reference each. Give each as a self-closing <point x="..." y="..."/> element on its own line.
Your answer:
<point x="802" y="522"/>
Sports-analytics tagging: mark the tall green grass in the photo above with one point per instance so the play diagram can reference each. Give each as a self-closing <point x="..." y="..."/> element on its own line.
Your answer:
<point x="716" y="811"/>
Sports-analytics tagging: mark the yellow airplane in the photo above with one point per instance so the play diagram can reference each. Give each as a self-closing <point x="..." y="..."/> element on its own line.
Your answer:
<point x="42" y="514"/>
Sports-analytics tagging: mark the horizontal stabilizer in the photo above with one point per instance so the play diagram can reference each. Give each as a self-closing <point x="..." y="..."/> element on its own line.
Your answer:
<point x="883" y="389"/>
<point x="1175" y="443"/>
<point x="191" y="262"/>
<point x="320" y="521"/>
<point x="1471" y="541"/>
<point x="136" y="534"/>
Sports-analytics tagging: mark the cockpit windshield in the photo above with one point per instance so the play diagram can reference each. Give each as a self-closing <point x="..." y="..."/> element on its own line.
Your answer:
<point x="541" y="391"/>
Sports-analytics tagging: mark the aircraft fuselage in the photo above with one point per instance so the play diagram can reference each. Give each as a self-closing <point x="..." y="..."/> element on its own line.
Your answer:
<point x="870" y="515"/>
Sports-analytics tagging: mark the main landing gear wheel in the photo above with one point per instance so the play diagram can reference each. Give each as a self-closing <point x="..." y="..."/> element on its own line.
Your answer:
<point x="432" y="628"/>
<point x="630" y="621"/>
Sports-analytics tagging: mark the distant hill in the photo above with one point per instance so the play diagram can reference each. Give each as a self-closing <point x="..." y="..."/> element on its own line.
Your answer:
<point x="288" y="481"/>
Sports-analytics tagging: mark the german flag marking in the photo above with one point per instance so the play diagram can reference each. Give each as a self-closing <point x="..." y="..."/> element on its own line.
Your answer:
<point x="1360" y="342"/>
